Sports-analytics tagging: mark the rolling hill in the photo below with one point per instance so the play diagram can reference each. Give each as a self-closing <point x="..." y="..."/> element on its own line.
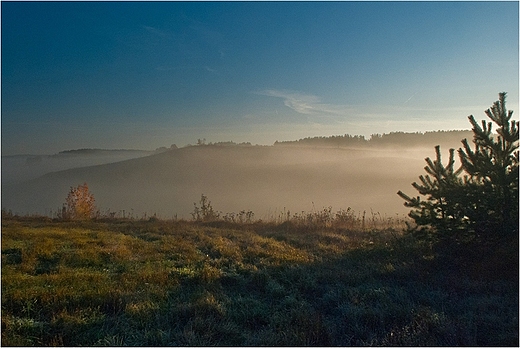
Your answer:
<point x="264" y="179"/>
<point x="19" y="168"/>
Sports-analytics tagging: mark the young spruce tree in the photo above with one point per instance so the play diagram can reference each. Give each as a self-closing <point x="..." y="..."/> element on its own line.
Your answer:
<point x="478" y="201"/>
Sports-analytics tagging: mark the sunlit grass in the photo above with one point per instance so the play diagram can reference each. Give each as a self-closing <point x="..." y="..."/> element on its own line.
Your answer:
<point x="164" y="283"/>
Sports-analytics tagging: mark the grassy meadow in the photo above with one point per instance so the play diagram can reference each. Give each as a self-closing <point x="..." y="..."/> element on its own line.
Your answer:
<point x="300" y="281"/>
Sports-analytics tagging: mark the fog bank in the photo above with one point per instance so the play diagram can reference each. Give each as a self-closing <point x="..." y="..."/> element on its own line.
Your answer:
<point x="264" y="179"/>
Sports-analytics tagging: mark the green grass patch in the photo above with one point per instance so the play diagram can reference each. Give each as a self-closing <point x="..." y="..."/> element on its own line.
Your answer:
<point x="158" y="283"/>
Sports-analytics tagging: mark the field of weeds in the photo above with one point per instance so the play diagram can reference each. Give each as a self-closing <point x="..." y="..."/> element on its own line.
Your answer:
<point x="194" y="283"/>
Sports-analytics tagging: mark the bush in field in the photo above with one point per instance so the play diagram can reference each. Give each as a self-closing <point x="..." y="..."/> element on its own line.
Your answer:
<point x="205" y="212"/>
<point x="80" y="204"/>
<point x="479" y="201"/>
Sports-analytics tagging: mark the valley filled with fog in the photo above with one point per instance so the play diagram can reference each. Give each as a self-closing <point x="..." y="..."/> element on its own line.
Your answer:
<point x="267" y="180"/>
<point x="19" y="168"/>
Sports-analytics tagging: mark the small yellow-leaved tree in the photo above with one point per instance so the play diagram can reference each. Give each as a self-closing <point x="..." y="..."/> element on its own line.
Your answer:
<point x="80" y="204"/>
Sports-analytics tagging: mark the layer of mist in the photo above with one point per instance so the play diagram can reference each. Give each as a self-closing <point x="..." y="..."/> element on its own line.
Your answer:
<point x="267" y="180"/>
<point x="19" y="168"/>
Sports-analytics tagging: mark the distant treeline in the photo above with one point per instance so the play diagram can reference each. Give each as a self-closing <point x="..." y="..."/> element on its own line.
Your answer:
<point x="347" y="140"/>
<point x="390" y="139"/>
<point x="219" y="143"/>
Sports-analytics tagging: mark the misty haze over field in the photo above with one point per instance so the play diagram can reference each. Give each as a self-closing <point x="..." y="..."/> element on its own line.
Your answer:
<point x="267" y="180"/>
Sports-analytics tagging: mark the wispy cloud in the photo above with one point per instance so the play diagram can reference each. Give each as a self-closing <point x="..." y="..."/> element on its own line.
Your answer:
<point x="198" y="42"/>
<point x="307" y="104"/>
<point x="407" y="100"/>
<point x="211" y="70"/>
<point x="211" y="37"/>
<point x="301" y="103"/>
<point x="155" y="31"/>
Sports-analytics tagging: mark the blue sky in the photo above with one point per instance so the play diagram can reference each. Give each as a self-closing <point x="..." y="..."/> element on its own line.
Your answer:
<point x="148" y="74"/>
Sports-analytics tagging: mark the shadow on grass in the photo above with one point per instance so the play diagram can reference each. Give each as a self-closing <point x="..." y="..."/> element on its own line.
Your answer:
<point x="396" y="293"/>
<point x="164" y="284"/>
<point x="377" y="296"/>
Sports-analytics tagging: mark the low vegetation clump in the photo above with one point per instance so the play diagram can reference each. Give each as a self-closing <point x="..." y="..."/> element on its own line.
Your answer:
<point x="119" y="282"/>
<point x="80" y="204"/>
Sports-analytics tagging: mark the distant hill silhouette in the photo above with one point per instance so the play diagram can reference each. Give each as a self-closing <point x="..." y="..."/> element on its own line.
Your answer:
<point x="19" y="168"/>
<point x="102" y="152"/>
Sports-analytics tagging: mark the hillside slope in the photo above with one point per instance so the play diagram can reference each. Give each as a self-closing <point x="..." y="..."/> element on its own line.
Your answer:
<point x="264" y="179"/>
<point x="18" y="168"/>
